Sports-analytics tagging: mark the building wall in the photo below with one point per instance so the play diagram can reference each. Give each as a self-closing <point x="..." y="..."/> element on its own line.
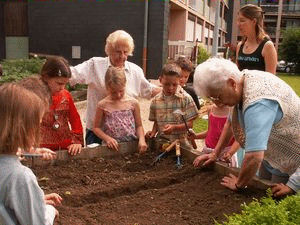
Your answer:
<point x="2" y="37"/>
<point x="157" y="37"/>
<point x="177" y="23"/>
<point x="56" y="26"/>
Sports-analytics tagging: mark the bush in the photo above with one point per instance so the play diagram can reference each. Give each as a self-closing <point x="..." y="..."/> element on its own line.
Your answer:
<point x="268" y="211"/>
<point x="290" y="47"/>
<point x="202" y="54"/>
<point x="18" y="69"/>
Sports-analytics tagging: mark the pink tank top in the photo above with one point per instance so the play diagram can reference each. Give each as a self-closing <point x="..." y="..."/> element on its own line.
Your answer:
<point x="215" y="127"/>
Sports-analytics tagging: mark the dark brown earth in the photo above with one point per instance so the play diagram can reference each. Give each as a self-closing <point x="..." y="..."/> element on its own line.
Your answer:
<point x="128" y="190"/>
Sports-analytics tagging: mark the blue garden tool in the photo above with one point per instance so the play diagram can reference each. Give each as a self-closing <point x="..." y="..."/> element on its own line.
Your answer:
<point x="169" y="148"/>
<point x="178" y="153"/>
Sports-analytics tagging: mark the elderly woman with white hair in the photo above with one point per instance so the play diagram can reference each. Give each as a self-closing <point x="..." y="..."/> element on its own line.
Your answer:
<point x="265" y="121"/>
<point x="119" y="45"/>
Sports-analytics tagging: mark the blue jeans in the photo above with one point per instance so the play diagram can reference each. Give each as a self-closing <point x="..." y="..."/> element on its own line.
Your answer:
<point x="91" y="137"/>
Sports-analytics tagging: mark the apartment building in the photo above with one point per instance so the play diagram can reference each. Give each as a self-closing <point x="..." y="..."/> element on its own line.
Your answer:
<point x="192" y="22"/>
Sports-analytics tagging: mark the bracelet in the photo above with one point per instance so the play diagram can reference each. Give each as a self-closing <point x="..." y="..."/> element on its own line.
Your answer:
<point x="240" y="189"/>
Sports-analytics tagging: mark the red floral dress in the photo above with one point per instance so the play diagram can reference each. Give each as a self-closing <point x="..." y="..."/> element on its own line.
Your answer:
<point x="61" y="125"/>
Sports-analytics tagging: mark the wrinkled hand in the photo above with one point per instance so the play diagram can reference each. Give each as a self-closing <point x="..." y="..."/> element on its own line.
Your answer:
<point x="74" y="149"/>
<point x="230" y="182"/>
<point x="168" y="129"/>
<point x="142" y="146"/>
<point x="149" y="135"/>
<point x="53" y="199"/>
<point x="281" y="189"/>
<point x="47" y="153"/>
<point x="112" y="143"/>
<point x="204" y="160"/>
<point x="227" y="157"/>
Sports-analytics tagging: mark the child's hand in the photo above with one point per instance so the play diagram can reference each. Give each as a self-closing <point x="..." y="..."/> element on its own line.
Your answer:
<point x="168" y="129"/>
<point x="227" y="157"/>
<point x="53" y="199"/>
<point x="149" y="135"/>
<point x="112" y="143"/>
<point x="74" y="149"/>
<point x="47" y="153"/>
<point x="191" y="134"/>
<point x="142" y="146"/>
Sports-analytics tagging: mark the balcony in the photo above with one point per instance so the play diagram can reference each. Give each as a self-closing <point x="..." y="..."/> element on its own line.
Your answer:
<point x="287" y="9"/>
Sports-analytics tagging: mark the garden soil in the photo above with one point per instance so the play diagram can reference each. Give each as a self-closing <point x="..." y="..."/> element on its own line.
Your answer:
<point x="129" y="190"/>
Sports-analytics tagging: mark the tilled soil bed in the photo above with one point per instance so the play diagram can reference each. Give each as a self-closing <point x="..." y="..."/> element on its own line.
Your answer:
<point x="129" y="190"/>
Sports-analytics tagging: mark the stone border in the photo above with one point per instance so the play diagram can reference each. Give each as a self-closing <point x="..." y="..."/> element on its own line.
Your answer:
<point x="131" y="147"/>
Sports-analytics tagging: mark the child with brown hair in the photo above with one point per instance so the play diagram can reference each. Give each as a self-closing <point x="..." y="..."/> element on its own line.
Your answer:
<point x="55" y="130"/>
<point x="171" y="98"/>
<point x="118" y="117"/>
<point x="22" y="200"/>
<point x="187" y="68"/>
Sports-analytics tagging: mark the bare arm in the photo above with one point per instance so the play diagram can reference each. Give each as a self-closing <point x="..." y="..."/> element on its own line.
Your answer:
<point x="270" y="56"/>
<point x="111" y="142"/>
<point x="139" y="128"/>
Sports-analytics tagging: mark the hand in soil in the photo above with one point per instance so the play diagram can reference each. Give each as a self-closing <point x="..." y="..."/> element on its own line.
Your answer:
<point x="53" y="199"/>
<point x="74" y="149"/>
<point x="142" y="146"/>
<point x="204" y="160"/>
<point x="281" y="189"/>
<point x="230" y="182"/>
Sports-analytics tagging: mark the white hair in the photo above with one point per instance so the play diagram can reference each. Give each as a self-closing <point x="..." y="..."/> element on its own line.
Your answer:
<point x="119" y="36"/>
<point x="213" y="75"/>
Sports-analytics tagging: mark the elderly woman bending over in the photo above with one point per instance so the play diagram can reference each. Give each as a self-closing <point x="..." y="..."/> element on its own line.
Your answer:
<point x="265" y="121"/>
<point x="119" y="45"/>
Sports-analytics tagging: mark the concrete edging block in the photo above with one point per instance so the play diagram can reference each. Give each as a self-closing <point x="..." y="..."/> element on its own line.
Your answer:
<point x="89" y="153"/>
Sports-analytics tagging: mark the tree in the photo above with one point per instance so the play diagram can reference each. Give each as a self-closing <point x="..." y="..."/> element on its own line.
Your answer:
<point x="289" y="49"/>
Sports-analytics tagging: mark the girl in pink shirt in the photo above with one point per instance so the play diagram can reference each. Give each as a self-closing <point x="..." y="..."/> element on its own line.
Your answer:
<point x="217" y="116"/>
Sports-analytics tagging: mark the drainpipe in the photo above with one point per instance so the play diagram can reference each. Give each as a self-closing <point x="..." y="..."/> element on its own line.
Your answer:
<point x="145" y="37"/>
<point x="277" y="35"/>
<point x="216" y="29"/>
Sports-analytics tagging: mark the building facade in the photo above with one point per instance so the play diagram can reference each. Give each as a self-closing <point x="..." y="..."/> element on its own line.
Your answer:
<point x="192" y="22"/>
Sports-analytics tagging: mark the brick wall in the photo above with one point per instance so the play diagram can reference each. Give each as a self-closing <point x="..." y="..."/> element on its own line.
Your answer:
<point x="54" y="27"/>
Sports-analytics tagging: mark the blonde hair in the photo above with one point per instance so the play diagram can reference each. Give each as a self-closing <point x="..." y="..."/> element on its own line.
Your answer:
<point x="20" y="114"/>
<point x="255" y="12"/>
<point x="115" y="77"/>
<point x="213" y="75"/>
<point x="116" y="37"/>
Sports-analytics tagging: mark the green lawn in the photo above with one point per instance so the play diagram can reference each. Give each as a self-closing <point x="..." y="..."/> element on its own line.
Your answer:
<point x="292" y="79"/>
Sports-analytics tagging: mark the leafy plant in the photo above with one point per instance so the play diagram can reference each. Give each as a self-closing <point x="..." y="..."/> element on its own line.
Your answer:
<point x="18" y="69"/>
<point x="268" y="211"/>
<point x="290" y="47"/>
<point x="202" y="54"/>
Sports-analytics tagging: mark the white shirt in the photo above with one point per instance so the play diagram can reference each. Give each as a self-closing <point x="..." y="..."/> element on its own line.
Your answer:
<point x="92" y="72"/>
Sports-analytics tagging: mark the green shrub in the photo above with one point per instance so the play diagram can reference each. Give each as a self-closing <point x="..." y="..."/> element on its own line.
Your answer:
<point x="202" y="54"/>
<point x="18" y="69"/>
<point x="268" y="211"/>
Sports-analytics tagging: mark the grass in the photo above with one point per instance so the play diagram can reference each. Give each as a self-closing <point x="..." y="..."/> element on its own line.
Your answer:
<point x="291" y="79"/>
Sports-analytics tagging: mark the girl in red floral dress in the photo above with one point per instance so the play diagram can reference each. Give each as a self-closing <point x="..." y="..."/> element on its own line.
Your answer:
<point x="61" y="127"/>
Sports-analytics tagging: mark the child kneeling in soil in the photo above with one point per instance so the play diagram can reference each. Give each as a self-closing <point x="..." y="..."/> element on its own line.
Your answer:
<point x="168" y="124"/>
<point x="22" y="201"/>
<point x="217" y="117"/>
<point x="55" y="127"/>
<point x="118" y="117"/>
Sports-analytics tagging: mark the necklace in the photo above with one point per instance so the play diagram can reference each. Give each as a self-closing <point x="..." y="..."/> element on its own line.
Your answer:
<point x="56" y="124"/>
